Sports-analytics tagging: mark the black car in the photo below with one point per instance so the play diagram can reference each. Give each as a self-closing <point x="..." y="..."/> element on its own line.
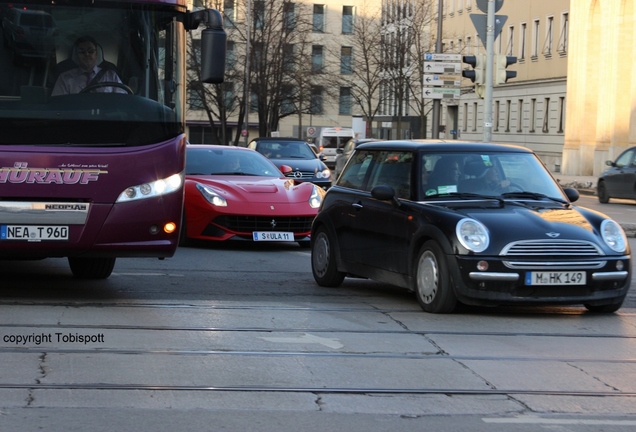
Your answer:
<point x="305" y="163"/>
<point x="619" y="181"/>
<point x="481" y="224"/>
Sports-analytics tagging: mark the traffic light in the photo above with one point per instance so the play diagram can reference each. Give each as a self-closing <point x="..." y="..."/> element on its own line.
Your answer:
<point x="502" y="61"/>
<point x="478" y="73"/>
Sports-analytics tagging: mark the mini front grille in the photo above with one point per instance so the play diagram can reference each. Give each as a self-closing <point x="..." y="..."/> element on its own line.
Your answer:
<point x="247" y="224"/>
<point x="545" y="248"/>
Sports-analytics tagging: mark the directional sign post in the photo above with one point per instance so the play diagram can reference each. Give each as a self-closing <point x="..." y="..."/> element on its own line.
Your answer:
<point x="441" y="93"/>
<point x="442" y="80"/>
<point x="442" y="67"/>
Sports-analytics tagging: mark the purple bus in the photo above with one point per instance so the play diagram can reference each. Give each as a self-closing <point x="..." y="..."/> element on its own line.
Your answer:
<point x="93" y="170"/>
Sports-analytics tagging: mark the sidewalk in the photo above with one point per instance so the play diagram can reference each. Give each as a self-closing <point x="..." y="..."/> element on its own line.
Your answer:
<point x="586" y="185"/>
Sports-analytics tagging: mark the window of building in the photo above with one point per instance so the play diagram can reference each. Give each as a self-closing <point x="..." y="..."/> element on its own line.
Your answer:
<point x="195" y="101"/>
<point x="287" y="104"/>
<point x="532" y="114"/>
<point x="200" y="135"/>
<point x="317" y="59"/>
<point x="520" y="115"/>
<point x="465" y="118"/>
<point x="563" y="37"/>
<point x="230" y="55"/>
<point x="508" y="114"/>
<point x="346" y="61"/>
<point x="474" y="116"/>
<point x="522" y="46"/>
<point x="535" y="40"/>
<point x="319" y="19"/>
<point x="253" y="101"/>
<point x="259" y="14"/>
<point x="347" y="19"/>
<point x="344" y="106"/>
<point x="561" y="114"/>
<point x="288" y="58"/>
<point x="316" y="100"/>
<point x="547" y="45"/>
<point x="495" y="123"/>
<point x="511" y="41"/>
<point x="546" y="116"/>
<point x="229" y="97"/>
<point x="289" y="16"/>
<point x="229" y="11"/>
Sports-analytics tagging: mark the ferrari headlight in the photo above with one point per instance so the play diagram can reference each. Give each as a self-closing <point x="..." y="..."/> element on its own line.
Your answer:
<point x="316" y="197"/>
<point x="472" y="235"/>
<point x="613" y="236"/>
<point x="211" y="195"/>
<point x="324" y="174"/>
<point x="152" y="189"/>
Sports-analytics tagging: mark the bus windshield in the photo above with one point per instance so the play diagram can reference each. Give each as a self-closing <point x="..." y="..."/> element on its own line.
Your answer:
<point x="137" y="100"/>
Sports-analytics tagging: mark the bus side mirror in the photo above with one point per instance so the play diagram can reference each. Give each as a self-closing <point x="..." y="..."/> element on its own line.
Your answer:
<point x="213" y="44"/>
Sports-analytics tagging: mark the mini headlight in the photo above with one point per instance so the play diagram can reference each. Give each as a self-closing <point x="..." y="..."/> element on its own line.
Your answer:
<point x="152" y="189"/>
<point x="472" y="235"/>
<point x="613" y="236"/>
<point x="211" y="195"/>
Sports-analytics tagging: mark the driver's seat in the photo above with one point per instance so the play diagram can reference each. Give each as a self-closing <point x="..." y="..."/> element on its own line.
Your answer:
<point x="72" y="62"/>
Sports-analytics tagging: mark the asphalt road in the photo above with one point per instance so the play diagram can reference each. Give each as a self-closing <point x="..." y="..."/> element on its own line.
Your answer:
<point x="241" y="338"/>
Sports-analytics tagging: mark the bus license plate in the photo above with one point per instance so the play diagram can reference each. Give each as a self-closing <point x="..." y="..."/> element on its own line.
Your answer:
<point x="33" y="232"/>
<point x="555" y="278"/>
<point x="272" y="236"/>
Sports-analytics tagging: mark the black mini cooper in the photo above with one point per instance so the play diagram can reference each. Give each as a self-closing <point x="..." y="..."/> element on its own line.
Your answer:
<point x="482" y="224"/>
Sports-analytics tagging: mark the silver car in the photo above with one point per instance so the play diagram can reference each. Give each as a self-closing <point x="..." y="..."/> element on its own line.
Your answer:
<point x="343" y="153"/>
<point x="28" y="34"/>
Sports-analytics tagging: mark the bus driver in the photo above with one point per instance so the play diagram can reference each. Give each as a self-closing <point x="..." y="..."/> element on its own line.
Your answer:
<point x="87" y="72"/>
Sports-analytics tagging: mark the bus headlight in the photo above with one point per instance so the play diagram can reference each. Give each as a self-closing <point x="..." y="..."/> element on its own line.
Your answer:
<point x="152" y="189"/>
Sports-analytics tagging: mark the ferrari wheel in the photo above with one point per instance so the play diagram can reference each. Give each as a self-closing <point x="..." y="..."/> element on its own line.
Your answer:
<point x="432" y="281"/>
<point x="603" y="196"/>
<point x="323" y="260"/>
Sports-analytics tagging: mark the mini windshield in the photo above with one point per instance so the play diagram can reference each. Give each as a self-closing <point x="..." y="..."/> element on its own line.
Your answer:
<point x="133" y="96"/>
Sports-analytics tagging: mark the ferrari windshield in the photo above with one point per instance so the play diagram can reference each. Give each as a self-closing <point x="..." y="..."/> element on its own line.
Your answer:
<point x="132" y="95"/>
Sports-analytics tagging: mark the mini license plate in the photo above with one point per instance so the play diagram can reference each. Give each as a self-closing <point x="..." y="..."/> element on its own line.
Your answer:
<point x="33" y="232"/>
<point x="555" y="278"/>
<point x="272" y="236"/>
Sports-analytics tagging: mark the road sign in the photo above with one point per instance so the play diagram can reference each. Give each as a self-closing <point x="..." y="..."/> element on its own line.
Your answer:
<point x="442" y="67"/>
<point x="480" y="23"/>
<point x="483" y="5"/>
<point x="441" y="93"/>
<point x="442" y="80"/>
<point x="443" y="57"/>
<point x="311" y="131"/>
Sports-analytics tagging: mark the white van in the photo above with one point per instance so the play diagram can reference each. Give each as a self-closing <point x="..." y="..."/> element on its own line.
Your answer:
<point x="330" y="139"/>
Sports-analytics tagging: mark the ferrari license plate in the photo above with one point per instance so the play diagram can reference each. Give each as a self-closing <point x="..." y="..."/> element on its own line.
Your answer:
<point x="555" y="278"/>
<point x="272" y="236"/>
<point x="33" y="232"/>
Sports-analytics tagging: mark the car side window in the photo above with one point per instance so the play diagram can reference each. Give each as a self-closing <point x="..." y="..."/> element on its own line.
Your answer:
<point x="393" y="169"/>
<point x="354" y="175"/>
<point x="626" y="159"/>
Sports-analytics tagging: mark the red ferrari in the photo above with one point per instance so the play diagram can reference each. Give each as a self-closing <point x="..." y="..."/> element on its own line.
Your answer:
<point x="235" y="193"/>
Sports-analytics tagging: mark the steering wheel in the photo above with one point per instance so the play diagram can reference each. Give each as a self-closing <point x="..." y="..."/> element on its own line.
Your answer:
<point x="107" y="84"/>
<point x="512" y="187"/>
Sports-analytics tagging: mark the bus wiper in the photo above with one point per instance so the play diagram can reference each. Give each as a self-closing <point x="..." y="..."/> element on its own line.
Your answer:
<point x="532" y="195"/>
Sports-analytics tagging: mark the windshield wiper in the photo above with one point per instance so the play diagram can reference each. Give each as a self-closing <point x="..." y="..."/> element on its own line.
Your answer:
<point x="234" y="173"/>
<point x="533" y="195"/>
<point x="467" y="195"/>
